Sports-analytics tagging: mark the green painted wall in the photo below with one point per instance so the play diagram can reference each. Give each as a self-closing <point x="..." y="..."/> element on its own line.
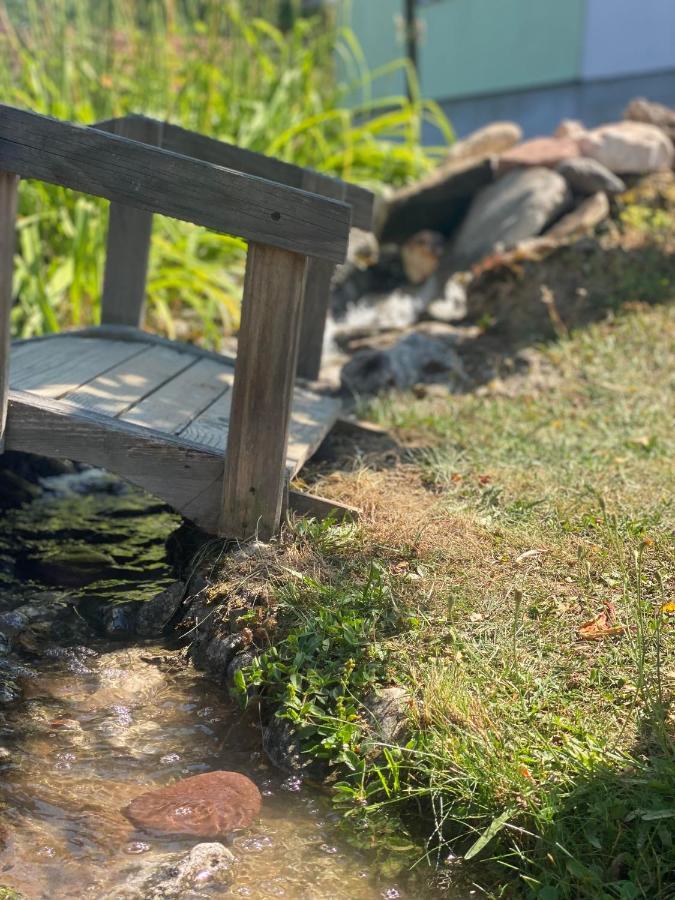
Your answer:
<point x="479" y="46"/>
<point x="374" y="24"/>
<point x="485" y="46"/>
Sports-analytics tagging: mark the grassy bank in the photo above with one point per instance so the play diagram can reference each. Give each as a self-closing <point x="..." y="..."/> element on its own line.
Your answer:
<point x="536" y="762"/>
<point x="208" y="65"/>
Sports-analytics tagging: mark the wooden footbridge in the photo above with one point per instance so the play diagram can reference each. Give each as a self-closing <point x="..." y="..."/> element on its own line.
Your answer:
<point x="217" y="438"/>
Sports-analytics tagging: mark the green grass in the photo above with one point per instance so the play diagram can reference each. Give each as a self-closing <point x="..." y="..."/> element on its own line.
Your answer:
<point x="208" y="65"/>
<point x="536" y="764"/>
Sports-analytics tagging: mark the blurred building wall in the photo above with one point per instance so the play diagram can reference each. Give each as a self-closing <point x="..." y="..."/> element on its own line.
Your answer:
<point x="534" y="61"/>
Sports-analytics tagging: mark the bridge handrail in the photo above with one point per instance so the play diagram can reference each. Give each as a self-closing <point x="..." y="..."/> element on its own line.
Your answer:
<point x="221" y="153"/>
<point x="146" y="177"/>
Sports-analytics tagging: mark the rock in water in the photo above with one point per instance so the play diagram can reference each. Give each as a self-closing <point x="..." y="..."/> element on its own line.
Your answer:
<point x="518" y="206"/>
<point x="206" y="869"/>
<point x="633" y="148"/>
<point x="588" y="176"/>
<point x="154" y="615"/>
<point x="207" y="805"/>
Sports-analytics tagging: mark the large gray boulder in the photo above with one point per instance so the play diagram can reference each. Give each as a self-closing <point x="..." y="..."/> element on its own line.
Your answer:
<point x="438" y="201"/>
<point x="588" y="176"/>
<point x="518" y="206"/>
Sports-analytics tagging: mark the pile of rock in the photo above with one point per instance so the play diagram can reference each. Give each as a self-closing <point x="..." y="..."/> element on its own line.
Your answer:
<point x="494" y="192"/>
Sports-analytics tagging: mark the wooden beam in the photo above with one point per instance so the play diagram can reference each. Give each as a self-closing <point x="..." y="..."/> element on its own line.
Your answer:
<point x="320" y="507"/>
<point x="135" y="174"/>
<point x="199" y="146"/>
<point x="262" y="394"/>
<point x="128" y="243"/>
<point x="8" y="198"/>
<point x="317" y="295"/>
<point x="186" y="477"/>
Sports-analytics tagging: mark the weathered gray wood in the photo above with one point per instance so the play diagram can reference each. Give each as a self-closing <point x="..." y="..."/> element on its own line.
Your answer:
<point x="54" y="368"/>
<point x="311" y="419"/>
<point x="126" y="384"/>
<point x="262" y="393"/>
<point x="200" y="146"/>
<point x="176" y="403"/>
<point x="183" y="475"/>
<point x="320" y="507"/>
<point x="126" y="333"/>
<point x="317" y="296"/>
<point x="8" y="195"/>
<point x="144" y="177"/>
<point x="210" y="428"/>
<point x="128" y="244"/>
<point x="357" y="428"/>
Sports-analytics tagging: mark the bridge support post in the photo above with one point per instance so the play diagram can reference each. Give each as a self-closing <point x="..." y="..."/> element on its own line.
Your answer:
<point x="8" y="198"/>
<point x="317" y="289"/>
<point x="262" y="394"/>
<point x="128" y="243"/>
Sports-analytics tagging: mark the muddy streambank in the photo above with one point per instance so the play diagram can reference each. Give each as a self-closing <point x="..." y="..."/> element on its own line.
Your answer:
<point x="98" y="703"/>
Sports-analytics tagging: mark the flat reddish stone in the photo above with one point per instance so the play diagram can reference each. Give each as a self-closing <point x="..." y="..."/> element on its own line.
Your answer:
<point x="206" y="805"/>
<point x="545" y="151"/>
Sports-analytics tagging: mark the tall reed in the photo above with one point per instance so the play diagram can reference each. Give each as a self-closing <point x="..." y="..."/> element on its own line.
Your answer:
<point x="223" y="68"/>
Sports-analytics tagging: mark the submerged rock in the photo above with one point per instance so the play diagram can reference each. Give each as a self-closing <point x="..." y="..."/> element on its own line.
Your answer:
<point x="72" y="567"/>
<point x="154" y="615"/>
<point x="208" y="805"/>
<point x="206" y="868"/>
<point x="15" y="490"/>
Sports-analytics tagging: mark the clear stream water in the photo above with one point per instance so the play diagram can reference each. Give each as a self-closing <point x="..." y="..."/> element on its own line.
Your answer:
<point x="97" y="722"/>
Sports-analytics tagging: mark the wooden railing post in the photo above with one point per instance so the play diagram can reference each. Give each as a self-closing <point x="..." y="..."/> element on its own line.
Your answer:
<point x="8" y="197"/>
<point x="255" y="460"/>
<point x="128" y="244"/>
<point x="317" y="289"/>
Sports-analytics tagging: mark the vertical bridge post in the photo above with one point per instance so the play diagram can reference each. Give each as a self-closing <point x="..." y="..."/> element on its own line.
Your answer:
<point x="8" y="198"/>
<point x="262" y="394"/>
<point x="317" y="289"/>
<point x="128" y="244"/>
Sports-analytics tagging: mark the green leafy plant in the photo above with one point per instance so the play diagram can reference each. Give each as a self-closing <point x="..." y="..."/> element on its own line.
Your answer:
<point x="223" y="68"/>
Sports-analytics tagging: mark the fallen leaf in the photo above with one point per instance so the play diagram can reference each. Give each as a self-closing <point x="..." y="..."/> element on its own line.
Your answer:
<point x="602" y="626"/>
<point x="476" y="617"/>
<point x="528" y="554"/>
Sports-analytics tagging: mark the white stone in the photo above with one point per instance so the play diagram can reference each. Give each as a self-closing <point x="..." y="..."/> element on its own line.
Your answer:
<point x="635" y="148"/>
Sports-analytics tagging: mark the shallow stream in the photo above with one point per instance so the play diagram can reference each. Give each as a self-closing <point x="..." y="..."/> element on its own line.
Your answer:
<point x="86" y="723"/>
